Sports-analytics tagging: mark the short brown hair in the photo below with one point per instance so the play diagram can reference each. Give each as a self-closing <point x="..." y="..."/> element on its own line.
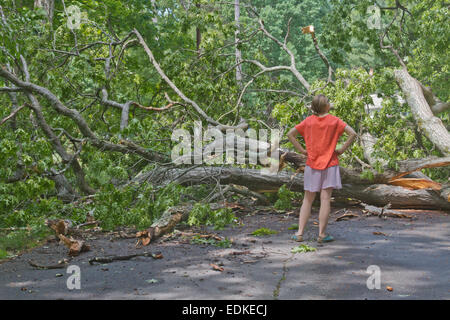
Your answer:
<point x="319" y="104"/>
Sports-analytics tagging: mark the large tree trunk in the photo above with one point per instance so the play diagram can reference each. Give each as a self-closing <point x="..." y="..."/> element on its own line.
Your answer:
<point x="432" y="127"/>
<point x="386" y="187"/>
<point x="254" y="179"/>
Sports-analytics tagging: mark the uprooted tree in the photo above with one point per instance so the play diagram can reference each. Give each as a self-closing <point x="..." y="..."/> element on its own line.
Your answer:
<point x="88" y="113"/>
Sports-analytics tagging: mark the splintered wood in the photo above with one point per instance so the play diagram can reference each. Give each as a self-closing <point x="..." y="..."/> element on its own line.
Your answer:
<point x="75" y="246"/>
<point x="415" y="183"/>
<point x="385" y="211"/>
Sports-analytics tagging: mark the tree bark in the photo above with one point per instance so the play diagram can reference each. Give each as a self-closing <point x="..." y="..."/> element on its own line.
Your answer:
<point x="198" y="35"/>
<point x="237" y="14"/>
<point x="124" y="146"/>
<point x="435" y="104"/>
<point x="430" y="125"/>
<point x="69" y="159"/>
<point x="254" y="179"/>
<point x="368" y="142"/>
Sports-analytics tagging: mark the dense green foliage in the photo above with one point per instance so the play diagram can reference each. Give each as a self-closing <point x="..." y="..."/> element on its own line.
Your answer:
<point x="420" y="34"/>
<point x="202" y="214"/>
<point x="263" y="232"/>
<point x="208" y="78"/>
<point x="350" y="96"/>
<point x="285" y="198"/>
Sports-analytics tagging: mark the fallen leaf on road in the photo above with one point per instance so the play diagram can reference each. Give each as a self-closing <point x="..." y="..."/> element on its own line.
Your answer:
<point x="151" y="281"/>
<point x="145" y="241"/>
<point x="216" y="267"/>
<point x="144" y="238"/>
<point x="293" y="226"/>
<point x="377" y="233"/>
<point x="157" y="256"/>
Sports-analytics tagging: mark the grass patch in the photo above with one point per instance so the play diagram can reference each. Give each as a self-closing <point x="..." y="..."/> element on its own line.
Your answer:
<point x="263" y="232"/>
<point x="303" y="248"/>
<point x="3" y="254"/>
<point x="12" y="242"/>
<point x="293" y="226"/>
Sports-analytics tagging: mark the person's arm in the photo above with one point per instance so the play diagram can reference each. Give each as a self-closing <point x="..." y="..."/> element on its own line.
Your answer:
<point x="292" y="134"/>
<point x="351" y="137"/>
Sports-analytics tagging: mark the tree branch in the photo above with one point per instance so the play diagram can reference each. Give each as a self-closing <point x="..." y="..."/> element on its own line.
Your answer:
<point x="125" y="147"/>
<point x="197" y="108"/>
<point x="323" y="57"/>
<point x="292" y="67"/>
<point x="13" y="114"/>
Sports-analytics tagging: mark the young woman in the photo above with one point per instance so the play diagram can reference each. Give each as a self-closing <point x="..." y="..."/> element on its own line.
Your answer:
<point x="321" y="132"/>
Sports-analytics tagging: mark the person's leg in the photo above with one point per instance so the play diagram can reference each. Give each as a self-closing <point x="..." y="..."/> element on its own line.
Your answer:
<point x="324" y="212"/>
<point x="305" y="211"/>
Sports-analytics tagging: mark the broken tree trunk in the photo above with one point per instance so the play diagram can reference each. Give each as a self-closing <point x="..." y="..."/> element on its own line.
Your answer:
<point x="411" y="165"/>
<point x="257" y="150"/>
<point x="385" y="187"/>
<point x="431" y="126"/>
<point x="367" y="191"/>
<point x="381" y="195"/>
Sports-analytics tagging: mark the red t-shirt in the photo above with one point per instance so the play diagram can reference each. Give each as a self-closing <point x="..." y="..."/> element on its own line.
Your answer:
<point x="321" y="135"/>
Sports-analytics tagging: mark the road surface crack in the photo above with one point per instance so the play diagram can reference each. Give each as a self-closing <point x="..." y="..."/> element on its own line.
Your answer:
<point x="276" y="292"/>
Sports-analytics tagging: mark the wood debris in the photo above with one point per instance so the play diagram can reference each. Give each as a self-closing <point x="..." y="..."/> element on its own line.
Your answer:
<point x="110" y="259"/>
<point x="60" y="265"/>
<point x="347" y="216"/>
<point x="385" y="211"/>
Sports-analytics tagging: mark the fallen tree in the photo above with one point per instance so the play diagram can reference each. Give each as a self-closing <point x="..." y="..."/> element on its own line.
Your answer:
<point x="386" y="186"/>
<point x="353" y="187"/>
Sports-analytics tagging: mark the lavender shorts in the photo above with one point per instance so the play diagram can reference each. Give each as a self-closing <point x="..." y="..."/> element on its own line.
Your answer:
<point x="316" y="180"/>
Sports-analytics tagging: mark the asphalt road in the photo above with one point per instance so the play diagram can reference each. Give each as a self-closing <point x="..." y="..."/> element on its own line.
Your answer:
<point x="413" y="257"/>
